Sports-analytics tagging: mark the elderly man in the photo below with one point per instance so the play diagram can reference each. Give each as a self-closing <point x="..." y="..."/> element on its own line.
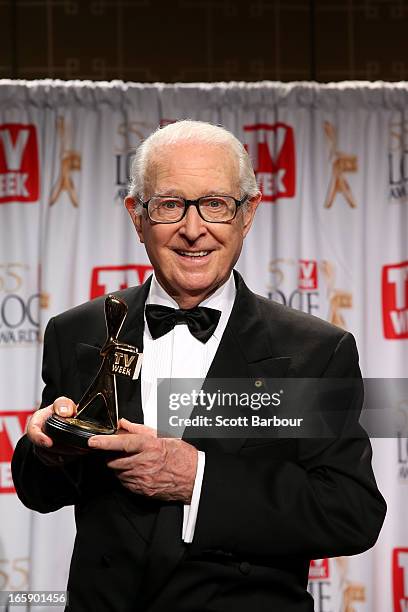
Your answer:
<point x="201" y="525"/>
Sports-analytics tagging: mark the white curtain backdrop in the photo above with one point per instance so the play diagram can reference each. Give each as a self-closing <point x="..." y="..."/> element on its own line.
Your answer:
<point x="330" y="238"/>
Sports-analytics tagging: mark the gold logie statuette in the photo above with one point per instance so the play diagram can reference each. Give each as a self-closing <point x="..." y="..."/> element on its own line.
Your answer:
<point x="97" y="410"/>
<point x="341" y="164"/>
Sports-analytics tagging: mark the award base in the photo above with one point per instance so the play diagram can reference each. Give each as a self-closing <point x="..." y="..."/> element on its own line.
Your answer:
<point x="74" y="432"/>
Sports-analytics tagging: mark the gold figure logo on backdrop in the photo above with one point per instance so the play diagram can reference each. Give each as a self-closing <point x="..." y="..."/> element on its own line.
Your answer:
<point x="338" y="298"/>
<point x="341" y="163"/>
<point x="70" y="161"/>
<point x="351" y="591"/>
<point x="314" y="291"/>
<point x="132" y="134"/>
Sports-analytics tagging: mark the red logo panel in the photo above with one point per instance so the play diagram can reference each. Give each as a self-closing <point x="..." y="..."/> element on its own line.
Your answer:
<point x="12" y="427"/>
<point x="272" y="150"/>
<point x="400" y="579"/>
<point x="319" y="569"/>
<point x="106" y="279"/>
<point x="395" y="300"/>
<point x="19" y="170"/>
<point x="307" y="274"/>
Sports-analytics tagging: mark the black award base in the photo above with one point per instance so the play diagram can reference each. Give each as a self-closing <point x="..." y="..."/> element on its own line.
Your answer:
<point x="74" y="432"/>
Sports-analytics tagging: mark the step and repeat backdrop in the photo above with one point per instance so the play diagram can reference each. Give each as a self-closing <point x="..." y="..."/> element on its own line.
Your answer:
<point x="330" y="238"/>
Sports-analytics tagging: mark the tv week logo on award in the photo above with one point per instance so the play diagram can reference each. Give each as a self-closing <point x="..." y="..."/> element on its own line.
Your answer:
<point x="19" y="169"/>
<point x="272" y="150"/>
<point x="400" y="579"/>
<point x="395" y="300"/>
<point x="106" y="279"/>
<point x="12" y="427"/>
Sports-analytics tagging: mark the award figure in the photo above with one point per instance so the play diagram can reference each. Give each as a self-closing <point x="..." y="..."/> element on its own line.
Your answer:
<point x="97" y="410"/>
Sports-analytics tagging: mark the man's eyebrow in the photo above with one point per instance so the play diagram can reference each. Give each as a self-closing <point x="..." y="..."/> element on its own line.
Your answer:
<point x="179" y="192"/>
<point x="171" y="192"/>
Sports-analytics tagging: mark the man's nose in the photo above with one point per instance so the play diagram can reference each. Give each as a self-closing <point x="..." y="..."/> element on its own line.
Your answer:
<point x="192" y="226"/>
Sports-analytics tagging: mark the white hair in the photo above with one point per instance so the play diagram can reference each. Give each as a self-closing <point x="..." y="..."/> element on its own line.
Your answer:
<point x="190" y="131"/>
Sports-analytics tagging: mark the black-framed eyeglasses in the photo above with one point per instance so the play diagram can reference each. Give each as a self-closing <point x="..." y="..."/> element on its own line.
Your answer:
<point x="211" y="208"/>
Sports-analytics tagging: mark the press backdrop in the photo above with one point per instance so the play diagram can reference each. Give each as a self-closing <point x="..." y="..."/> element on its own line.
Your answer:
<point x="330" y="238"/>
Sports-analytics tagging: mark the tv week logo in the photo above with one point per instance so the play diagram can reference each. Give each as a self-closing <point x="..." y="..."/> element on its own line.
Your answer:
<point x="19" y="171"/>
<point x="12" y="427"/>
<point x="307" y="274"/>
<point x="400" y="579"/>
<point x="320" y="585"/>
<point x="319" y="569"/>
<point x="106" y="279"/>
<point x="272" y="150"/>
<point x="395" y="300"/>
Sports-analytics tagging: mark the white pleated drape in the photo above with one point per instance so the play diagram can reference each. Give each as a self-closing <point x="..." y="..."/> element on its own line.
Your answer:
<point x="329" y="238"/>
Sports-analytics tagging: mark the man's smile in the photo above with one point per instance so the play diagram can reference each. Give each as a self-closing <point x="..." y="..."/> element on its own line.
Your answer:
<point x="198" y="256"/>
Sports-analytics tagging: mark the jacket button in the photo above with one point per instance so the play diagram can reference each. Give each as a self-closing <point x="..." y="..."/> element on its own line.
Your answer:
<point x="106" y="561"/>
<point x="244" y="567"/>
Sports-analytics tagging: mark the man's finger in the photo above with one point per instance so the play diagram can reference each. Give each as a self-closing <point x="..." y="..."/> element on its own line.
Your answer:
<point x="127" y="443"/>
<point x="138" y="428"/>
<point x="64" y="407"/>
<point x="35" y="427"/>
<point x="123" y="463"/>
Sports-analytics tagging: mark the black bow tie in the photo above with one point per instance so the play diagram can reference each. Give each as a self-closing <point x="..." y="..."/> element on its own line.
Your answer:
<point x="201" y="321"/>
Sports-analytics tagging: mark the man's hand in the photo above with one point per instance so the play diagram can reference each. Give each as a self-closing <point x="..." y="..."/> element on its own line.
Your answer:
<point x="157" y="467"/>
<point x="45" y="448"/>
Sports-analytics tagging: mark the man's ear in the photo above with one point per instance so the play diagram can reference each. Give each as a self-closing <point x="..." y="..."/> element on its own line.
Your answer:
<point x="130" y="204"/>
<point x="249" y="212"/>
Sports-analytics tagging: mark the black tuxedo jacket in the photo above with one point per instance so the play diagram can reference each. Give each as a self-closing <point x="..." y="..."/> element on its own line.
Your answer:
<point x="267" y="506"/>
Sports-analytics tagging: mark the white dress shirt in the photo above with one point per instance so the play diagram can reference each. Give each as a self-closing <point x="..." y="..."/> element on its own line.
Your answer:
<point x="178" y="354"/>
